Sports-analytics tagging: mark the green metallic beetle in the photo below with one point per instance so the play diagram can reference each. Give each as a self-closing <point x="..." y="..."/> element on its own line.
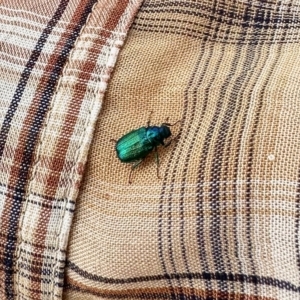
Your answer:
<point x="134" y="146"/>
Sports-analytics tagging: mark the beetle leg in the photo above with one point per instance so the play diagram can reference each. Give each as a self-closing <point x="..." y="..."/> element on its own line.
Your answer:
<point x="113" y="140"/>
<point x="169" y="142"/>
<point x="157" y="161"/>
<point x="149" y="119"/>
<point x="135" y="165"/>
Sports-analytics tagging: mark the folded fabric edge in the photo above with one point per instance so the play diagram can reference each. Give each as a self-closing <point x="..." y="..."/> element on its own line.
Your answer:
<point x="65" y="139"/>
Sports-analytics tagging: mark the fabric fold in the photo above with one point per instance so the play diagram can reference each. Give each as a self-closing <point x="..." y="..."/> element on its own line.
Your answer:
<point x="56" y="59"/>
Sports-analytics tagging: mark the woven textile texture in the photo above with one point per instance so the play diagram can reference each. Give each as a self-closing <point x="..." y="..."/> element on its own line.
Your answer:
<point x="56" y="57"/>
<point x="223" y="220"/>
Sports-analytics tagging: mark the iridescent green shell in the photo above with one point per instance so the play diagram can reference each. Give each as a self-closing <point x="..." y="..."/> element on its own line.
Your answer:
<point x="134" y="146"/>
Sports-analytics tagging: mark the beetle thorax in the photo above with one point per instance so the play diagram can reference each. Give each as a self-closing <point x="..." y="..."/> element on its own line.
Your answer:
<point x="157" y="134"/>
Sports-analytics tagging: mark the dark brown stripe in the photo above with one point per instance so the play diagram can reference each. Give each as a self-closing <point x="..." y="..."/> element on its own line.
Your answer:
<point x="231" y="117"/>
<point x="214" y="200"/>
<point x="29" y="136"/>
<point x="163" y="192"/>
<point x="35" y="54"/>
<point x="198" y="29"/>
<point x="159" y="293"/>
<point x="257" y="18"/>
<point x="243" y="40"/>
<point x="258" y="51"/>
<point x="194" y="101"/>
<point x="248" y="199"/>
<point x="297" y="221"/>
<point x="11" y="190"/>
<point x="252" y="143"/>
<point x="179" y="157"/>
<point x="264" y="20"/>
<point x="36" y="245"/>
<point x="12" y="207"/>
<point x="232" y="9"/>
<point x="73" y="112"/>
<point x="219" y="162"/>
<point x="207" y="276"/>
<point x="43" y="204"/>
<point x="190" y="95"/>
<point x="224" y="35"/>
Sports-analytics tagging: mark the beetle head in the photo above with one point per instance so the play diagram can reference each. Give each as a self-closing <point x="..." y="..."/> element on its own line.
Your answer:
<point x="165" y="131"/>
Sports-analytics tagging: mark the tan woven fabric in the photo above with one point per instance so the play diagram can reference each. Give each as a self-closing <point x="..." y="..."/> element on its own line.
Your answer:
<point x="223" y="221"/>
<point x="56" y="58"/>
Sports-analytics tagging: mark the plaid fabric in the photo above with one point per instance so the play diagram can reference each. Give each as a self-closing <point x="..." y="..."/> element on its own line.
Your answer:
<point x="223" y="221"/>
<point x="56" y="57"/>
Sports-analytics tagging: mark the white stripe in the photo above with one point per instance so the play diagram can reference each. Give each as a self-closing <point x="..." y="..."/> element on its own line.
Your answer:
<point x="60" y="21"/>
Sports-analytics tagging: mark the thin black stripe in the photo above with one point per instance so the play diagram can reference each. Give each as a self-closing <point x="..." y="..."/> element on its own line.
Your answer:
<point x="213" y="295"/>
<point x="51" y="206"/>
<point x="221" y="16"/>
<point x="179" y="156"/>
<point x="223" y="135"/>
<point x="163" y="192"/>
<point x="40" y="203"/>
<point x="197" y="28"/>
<point x="48" y="257"/>
<point x="12" y="190"/>
<point x="219" y="276"/>
<point x="194" y="99"/>
<point x="27" y="71"/>
<point x="297" y="221"/>
<point x="225" y="40"/>
<point x="214" y="201"/>
<point x="30" y="146"/>
<point x="172" y="187"/>
<point x="250" y="166"/>
<point x="220" y="249"/>
<point x="141" y="295"/>
<point x="232" y="12"/>
<point x="39" y="263"/>
<point x="257" y="51"/>
<point x="262" y="17"/>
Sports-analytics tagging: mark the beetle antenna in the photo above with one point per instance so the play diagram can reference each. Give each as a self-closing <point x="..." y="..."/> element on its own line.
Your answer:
<point x="113" y="140"/>
<point x="149" y="119"/>
<point x="168" y="124"/>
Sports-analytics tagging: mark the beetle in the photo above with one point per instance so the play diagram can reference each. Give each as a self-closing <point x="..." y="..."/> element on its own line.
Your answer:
<point x="134" y="146"/>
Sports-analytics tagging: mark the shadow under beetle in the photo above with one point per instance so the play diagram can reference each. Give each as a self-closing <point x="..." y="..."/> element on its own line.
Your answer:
<point x="134" y="146"/>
